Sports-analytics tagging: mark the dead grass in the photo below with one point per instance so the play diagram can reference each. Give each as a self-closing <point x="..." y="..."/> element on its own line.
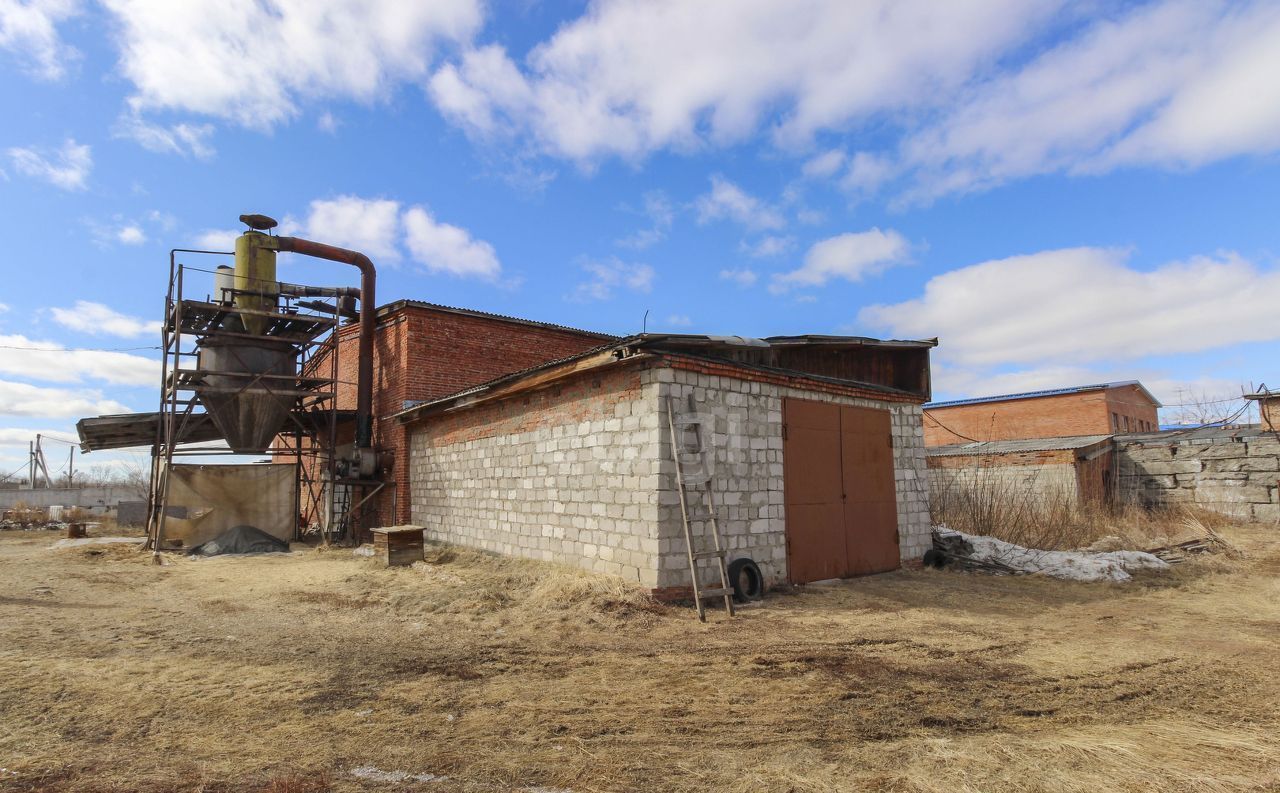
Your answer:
<point x="288" y="673"/>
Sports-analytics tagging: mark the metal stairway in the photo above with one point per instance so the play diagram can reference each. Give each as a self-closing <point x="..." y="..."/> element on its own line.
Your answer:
<point x="695" y="483"/>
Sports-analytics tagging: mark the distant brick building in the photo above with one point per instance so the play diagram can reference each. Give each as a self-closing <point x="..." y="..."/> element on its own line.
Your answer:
<point x="425" y="351"/>
<point x="1102" y="409"/>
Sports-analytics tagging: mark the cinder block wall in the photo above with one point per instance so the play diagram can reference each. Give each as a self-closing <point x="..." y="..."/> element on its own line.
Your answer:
<point x="567" y="474"/>
<point x="1047" y="481"/>
<point x="1232" y="476"/>
<point x="580" y="474"/>
<point x="748" y="471"/>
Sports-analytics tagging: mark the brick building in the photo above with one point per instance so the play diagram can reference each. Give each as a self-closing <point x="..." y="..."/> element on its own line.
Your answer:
<point x="425" y="351"/>
<point x="817" y="457"/>
<point x="1102" y="409"/>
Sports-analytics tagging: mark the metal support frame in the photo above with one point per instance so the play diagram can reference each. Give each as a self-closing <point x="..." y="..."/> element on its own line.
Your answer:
<point x="309" y="331"/>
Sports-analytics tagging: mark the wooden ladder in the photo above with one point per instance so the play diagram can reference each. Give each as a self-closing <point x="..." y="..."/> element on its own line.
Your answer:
<point x="693" y="475"/>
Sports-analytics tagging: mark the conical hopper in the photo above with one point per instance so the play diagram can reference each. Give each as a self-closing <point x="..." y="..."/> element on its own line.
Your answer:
<point x="247" y="413"/>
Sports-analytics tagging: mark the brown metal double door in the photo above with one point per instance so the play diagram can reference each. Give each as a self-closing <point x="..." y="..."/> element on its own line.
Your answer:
<point x="841" y="504"/>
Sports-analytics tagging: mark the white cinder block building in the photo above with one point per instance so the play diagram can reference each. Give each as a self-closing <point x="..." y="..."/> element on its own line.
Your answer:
<point x="816" y="458"/>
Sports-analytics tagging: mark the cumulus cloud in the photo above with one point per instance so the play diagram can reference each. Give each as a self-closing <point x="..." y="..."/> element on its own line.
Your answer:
<point x="187" y="140"/>
<point x="610" y="275"/>
<point x="97" y="319"/>
<point x="368" y="225"/>
<point x="21" y="436"/>
<point x="661" y="214"/>
<point x="29" y="30"/>
<point x="193" y="56"/>
<point x="1075" y="306"/>
<point x="768" y="246"/>
<point x="727" y="201"/>
<point x="679" y="320"/>
<point x="217" y="240"/>
<point x="34" y="359"/>
<point x="23" y="399"/>
<point x="131" y="235"/>
<point x="743" y="278"/>
<point x="632" y="76"/>
<point x="67" y="168"/>
<point x="851" y="256"/>
<point x="444" y="248"/>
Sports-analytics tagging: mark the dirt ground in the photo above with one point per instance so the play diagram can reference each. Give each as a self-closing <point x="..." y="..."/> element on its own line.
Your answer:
<point x="321" y="671"/>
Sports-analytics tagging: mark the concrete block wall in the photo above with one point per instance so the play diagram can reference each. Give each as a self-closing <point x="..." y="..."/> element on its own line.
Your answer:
<point x="1051" y="482"/>
<point x="748" y="470"/>
<point x="1236" y="475"/>
<point x="567" y="474"/>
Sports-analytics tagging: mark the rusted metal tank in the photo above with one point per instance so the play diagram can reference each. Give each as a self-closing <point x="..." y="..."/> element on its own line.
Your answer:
<point x="247" y="389"/>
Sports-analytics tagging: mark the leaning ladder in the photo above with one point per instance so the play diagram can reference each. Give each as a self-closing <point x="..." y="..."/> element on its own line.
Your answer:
<point x="700" y="482"/>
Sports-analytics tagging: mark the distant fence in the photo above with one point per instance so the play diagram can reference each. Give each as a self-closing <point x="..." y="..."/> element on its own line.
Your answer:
<point x="99" y="499"/>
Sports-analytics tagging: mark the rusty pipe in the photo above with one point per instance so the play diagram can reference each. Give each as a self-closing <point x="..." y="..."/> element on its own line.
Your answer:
<point x="368" y="324"/>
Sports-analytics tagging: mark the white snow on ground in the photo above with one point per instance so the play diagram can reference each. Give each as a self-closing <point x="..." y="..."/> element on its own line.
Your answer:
<point x="1071" y="565"/>
<point x="375" y="774"/>
<point x="96" y="541"/>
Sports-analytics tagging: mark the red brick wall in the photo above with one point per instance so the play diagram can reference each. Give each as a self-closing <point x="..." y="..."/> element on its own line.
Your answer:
<point x="1086" y="413"/>
<point x="424" y="353"/>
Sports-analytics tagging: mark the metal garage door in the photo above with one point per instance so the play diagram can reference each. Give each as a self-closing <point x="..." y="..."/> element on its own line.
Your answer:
<point x="841" y="509"/>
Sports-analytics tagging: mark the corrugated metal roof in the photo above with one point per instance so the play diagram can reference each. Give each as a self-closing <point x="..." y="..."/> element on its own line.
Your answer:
<point x="1199" y="434"/>
<point x="1016" y="446"/>
<point x="1047" y="392"/>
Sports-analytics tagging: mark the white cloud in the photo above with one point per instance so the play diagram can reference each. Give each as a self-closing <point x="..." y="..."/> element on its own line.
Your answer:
<point x="23" y="399"/>
<point x="45" y="360"/>
<point x="727" y="201"/>
<point x="768" y="246"/>
<point x="824" y="165"/>
<point x="443" y="248"/>
<point x="632" y="76"/>
<point x="851" y="256"/>
<point x="254" y="61"/>
<point x="97" y="319"/>
<point x="217" y="240"/>
<point x="131" y="235"/>
<point x="610" y="275"/>
<point x="67" y="168"/>
<point x="657" y="207"/>
<point x="30" y="30"/>
<point x="3" y="307"/>
<point x="743" y="278"/>
<point x="21" y="436"/>
<point x="1081" y="305"/>
<point x="866" y="173"/>
<point x="183" y="139"/>
<point x="679" y="320"/>
<point x="1174" y="83"/>
<point x="328" y="123"/>
<point x="370" y="226"/>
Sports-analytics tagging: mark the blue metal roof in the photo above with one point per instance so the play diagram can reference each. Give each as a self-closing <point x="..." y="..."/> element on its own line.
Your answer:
<point x="1048" y="392"/>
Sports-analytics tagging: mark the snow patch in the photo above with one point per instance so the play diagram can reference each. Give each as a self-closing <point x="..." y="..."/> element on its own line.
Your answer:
<point x="1069" y="565"/>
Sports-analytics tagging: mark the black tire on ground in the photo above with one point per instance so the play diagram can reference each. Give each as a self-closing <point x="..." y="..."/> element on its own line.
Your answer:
<point x="935" y="558"/>
<point x="746" y="580"/>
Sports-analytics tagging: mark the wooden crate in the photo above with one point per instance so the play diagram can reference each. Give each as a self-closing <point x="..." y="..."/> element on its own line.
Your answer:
<point x="400" y="545"/>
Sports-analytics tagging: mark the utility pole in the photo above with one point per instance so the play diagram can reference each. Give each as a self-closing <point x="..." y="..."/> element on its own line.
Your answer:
<point x="71" y="467"/>
<point x="31" y="465"/>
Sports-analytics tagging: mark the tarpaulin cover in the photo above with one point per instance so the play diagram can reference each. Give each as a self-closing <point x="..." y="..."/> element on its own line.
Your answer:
<point x="241" y="539"/>
<point x="206" y="500"/>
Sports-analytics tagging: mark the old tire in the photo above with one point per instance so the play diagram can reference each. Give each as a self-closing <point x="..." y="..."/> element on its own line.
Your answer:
<point x="935" y="558"/>
<point x="746" y="580"/>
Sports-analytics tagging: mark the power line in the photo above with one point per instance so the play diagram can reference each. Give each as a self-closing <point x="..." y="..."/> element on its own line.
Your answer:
<point x="77" y="349"/>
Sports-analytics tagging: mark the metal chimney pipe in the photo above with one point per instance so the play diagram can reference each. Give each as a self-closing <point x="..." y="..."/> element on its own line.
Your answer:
<point x="368" y="323"/>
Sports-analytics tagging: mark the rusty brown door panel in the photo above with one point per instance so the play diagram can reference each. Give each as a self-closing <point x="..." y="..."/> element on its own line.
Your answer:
<point x="870" y="503"/>
<point x="813" y="492"/>
<point x="840" y="495"/>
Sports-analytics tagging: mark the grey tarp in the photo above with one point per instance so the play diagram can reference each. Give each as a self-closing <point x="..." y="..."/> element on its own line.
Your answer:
<point x="242" y="539"/>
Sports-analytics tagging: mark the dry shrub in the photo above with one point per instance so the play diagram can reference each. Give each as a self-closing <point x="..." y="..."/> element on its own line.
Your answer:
<point x="994" y="504"/>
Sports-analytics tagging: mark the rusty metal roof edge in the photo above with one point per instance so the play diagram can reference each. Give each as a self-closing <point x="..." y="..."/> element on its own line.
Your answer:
<point x="648" y="342"/>
<point x="396" y="305"/>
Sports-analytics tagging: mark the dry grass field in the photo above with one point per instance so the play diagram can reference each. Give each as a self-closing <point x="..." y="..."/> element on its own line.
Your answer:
<point x="321" y="671"/>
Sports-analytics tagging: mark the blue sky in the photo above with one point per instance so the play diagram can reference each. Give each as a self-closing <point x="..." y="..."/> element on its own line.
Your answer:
<point x="1062" y="193"/>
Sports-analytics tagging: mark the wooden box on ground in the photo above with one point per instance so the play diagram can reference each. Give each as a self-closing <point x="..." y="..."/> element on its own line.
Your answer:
<point x="398" y="545"/>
